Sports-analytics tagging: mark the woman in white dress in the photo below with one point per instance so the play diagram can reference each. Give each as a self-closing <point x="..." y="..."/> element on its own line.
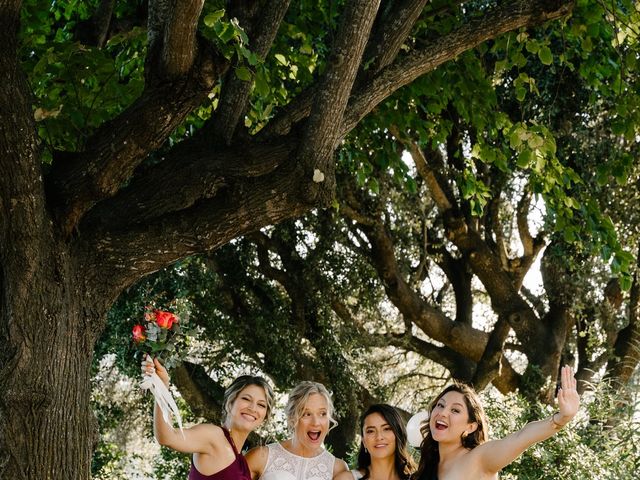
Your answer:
<point x="302" y="457"/>
<point x="383" y="453"/>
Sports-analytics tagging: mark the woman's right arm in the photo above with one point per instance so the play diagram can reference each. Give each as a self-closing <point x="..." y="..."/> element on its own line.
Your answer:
<point x="197" y="439"/>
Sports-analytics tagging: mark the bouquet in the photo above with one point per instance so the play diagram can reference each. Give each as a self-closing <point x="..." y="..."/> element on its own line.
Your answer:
<point x="159" y="336"/>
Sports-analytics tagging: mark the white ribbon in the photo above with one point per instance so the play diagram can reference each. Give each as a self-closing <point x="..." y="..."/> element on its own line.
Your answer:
<point x="163" y="398"/>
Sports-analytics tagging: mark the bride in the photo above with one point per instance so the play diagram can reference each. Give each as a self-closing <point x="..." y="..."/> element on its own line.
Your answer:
<point x="302" y="457"/>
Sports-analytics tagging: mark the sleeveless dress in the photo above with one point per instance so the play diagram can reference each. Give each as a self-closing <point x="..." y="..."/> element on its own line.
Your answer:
<point x="284" y="465"/>
<point x="237" y="470"/>
<point x="356" y="474"/>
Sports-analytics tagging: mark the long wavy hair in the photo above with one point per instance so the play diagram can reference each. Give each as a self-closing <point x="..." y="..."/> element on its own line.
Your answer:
<point x="403" y="461"/>
<point x="429" y="453"/>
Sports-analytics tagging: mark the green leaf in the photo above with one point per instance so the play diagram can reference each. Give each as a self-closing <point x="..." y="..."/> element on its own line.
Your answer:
<point x="281" y="58"/>
<point x="545" y="55"/>
<point x="374" y="186"/>
<point x="243" y="73"/>
<point x="524" y="158"/>
<point x="211" y="18"/>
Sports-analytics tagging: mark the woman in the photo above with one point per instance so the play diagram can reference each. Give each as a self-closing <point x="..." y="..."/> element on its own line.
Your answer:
<point x="309" y="414"/>
<point x="455" y="447"/>
<point x="383" y="452"/>
<point x="216" y="450"/>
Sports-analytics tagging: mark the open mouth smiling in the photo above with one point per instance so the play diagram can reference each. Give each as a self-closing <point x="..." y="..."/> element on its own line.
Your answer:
<point x="314" y="435"/>
<point x="440" y="425"/>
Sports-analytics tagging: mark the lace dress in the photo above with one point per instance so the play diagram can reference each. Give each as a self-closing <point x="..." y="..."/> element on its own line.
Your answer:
<point x="284" y="465"/>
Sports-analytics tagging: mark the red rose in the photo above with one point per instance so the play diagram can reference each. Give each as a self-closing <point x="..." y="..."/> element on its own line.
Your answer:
<point x="165" y="319"/>
<point x="138" y="334"/>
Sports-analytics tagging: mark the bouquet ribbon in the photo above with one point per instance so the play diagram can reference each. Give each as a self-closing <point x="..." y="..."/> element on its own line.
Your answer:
<point x="163" y="398"/>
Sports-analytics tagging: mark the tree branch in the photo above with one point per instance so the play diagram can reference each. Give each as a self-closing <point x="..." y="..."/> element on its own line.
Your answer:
<point x="460" y="367"/>
<point x="438" y="189"/>
<point x="203" y="395"/>
<point x="489" y="365"/>
<point x="507" y="16"/>
<point x="626" y="355"/>
<point x="245" y="206"/>
<point x="235" y="92"/>
<point x="322" y="130"/>
<point x="172" y="91"/>
<point x="192" y="172"/>
<point x="95" y="30"/>
<point x="23" y="215"/>
<point x="390" y="31"/>
<point x="179" y="42"/>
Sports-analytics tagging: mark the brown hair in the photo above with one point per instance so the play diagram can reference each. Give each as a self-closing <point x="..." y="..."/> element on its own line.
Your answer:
<point x="429" y="453"/>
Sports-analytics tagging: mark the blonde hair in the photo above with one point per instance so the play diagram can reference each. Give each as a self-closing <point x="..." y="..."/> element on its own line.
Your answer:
<point x="298" y="398"/>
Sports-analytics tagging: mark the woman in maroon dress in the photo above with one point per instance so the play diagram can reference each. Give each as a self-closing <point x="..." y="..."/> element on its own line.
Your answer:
<point x="216" y="449"/>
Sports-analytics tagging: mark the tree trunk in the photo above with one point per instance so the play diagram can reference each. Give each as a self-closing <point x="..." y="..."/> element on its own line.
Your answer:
<point x="47" y="330"/>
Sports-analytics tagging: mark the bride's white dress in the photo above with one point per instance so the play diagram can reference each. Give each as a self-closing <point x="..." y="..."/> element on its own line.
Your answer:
<point x="284" y="465"/>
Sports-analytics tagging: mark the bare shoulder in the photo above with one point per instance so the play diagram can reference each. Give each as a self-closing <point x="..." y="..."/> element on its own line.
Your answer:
<point x="257" y="460"/>
<point x="346" y="475"/>
<point x="339" y="467"/>
<point x="474" y="459"/>
<point x="209" y="430"/>
<point x="204" y="438"/>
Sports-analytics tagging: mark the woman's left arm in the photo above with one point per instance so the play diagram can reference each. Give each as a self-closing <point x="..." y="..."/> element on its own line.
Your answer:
<point x="493" y="456"/>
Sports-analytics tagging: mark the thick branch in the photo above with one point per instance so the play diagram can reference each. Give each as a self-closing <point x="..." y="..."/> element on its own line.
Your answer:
<point x="179" y="42"/>
<point x="504" y="295"/>
<point x="118" y="146"/>
<point x="241" y="208"/>
<point x="509" y="15"/>
<point x="322" y="130"/>
<point x="235" y="92"/>
<point x="203" y="395"/>
<point x="192" y="172"/>
<point x="489" y="365"/>
<point x="626" y="355"/>
<point x="461" y="337"/>
<point x="390" y="31"/>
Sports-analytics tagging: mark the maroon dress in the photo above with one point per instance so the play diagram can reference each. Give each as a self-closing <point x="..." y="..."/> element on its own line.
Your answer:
<point x="238" y="470"/>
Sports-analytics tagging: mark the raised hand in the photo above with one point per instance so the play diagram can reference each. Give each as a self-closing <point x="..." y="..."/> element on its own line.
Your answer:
<point x="568" y="398"/>
<point x="150" y="366"/>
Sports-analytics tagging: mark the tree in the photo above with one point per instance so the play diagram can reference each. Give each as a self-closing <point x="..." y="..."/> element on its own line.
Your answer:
<point x="465" y="218"/>
<point x="134" y="136"/>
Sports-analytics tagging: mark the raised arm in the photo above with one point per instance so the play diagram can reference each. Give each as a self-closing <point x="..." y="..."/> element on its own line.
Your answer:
<point x="197" y="439"/>
<point x="497" y="454"/>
